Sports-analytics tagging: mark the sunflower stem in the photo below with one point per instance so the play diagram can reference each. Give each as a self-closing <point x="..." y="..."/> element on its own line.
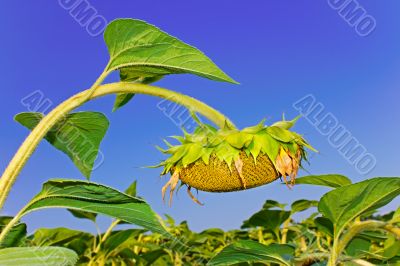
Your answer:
<point x="97" y="90"/>
<point x="340" y="244"/>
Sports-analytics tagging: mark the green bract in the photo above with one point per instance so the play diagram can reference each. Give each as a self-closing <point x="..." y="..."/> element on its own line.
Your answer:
<point x="227" y="144"/>
<point x="204" y="150"/>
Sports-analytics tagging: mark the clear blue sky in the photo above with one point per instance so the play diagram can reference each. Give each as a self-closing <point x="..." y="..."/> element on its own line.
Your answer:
<point x="279" y="51"/>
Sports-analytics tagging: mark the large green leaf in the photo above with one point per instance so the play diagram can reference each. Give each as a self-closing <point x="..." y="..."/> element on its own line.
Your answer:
<point x="131" y="191"/>
<point x="344" y="204"/>
<point x="38" y="256"/>
<point x="78" y="135"/>
<point x="333" y="181"/>
<point x="251" y="251"/>
<point x="97" y="198"/>
<point x="146" y="51"/>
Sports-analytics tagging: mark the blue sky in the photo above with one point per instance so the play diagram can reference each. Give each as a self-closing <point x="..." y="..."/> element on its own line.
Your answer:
<point x="280" y="51"/>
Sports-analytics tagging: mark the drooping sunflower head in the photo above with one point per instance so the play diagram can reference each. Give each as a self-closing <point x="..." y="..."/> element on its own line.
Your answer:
<point x="229" y="159"/>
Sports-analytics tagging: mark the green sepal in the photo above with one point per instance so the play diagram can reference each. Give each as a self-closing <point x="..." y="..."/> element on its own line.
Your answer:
<point x="206" y="155"/>
<point x="227" y="144"/>
<point x="286" y="124"/>
<point x="255" y="129"/>
<point x="280" y="134"/>
<point x="239" y="139"/>
<point x="269" y="145"/>
<point x="255" y="149"/>
<point x="193" y="154"/>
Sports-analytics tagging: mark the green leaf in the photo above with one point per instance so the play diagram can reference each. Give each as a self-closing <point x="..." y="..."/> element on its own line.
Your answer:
<point x="58" y="236"/>
<point x="344" y="204"/>
<point x="302" y="205"/>
<point x="15" y="236"/>
<point x="251" y="252"/>
<point x="269" y="219"/>
<point x="269" y="204"/>
<point x="357" y="247"/>
<point x="333" y="181"/>
<point x="152" y="256"/>
<point x="146" y="51"/>
<point x="391" y="247"/>
<point x="121" y="100"/>
<point x="396" y="216"/>
<point x="84" y="215"/>
<point x="118" y="238"/>
<point x="132" y="189"/>
<point x="97" y="198"/>
<point x="39" y="256"/>
<point x="324" y="225"/>
<point x="78" y="135"/>
<point x="127" y="76"/>
<point x="215" y="232"/>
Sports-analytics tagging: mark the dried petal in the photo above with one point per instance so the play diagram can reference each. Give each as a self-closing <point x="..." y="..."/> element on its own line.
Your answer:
<point x="193" y="197"/>
<point x="172" y="183"/>
<point x="239" y="169"/>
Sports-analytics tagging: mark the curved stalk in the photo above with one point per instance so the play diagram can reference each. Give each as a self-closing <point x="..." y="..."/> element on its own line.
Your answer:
<point x="358" y="227"/>
<point x="106" y="235"/>
<point x="39" y="132"/>
<point x="285" y="230"/>
<point x="15" y="220"/>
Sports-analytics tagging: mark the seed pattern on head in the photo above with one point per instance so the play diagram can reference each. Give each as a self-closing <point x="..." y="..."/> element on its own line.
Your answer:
<point x="218" y="177"/>
<point x="230" y="160"/>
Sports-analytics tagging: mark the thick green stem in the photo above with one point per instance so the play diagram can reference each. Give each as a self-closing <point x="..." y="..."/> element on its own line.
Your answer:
<point x="39" y="132"/>
<point x="340" y="244"/>
<point x="334" y="253"/>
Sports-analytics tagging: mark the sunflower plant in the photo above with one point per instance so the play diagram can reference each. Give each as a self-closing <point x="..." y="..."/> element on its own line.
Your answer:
<point x="144" y="54"/>
<point x="219" y="158"/>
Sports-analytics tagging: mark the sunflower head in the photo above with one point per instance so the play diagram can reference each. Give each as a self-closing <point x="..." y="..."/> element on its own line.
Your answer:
<point x="229" y="159"/>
